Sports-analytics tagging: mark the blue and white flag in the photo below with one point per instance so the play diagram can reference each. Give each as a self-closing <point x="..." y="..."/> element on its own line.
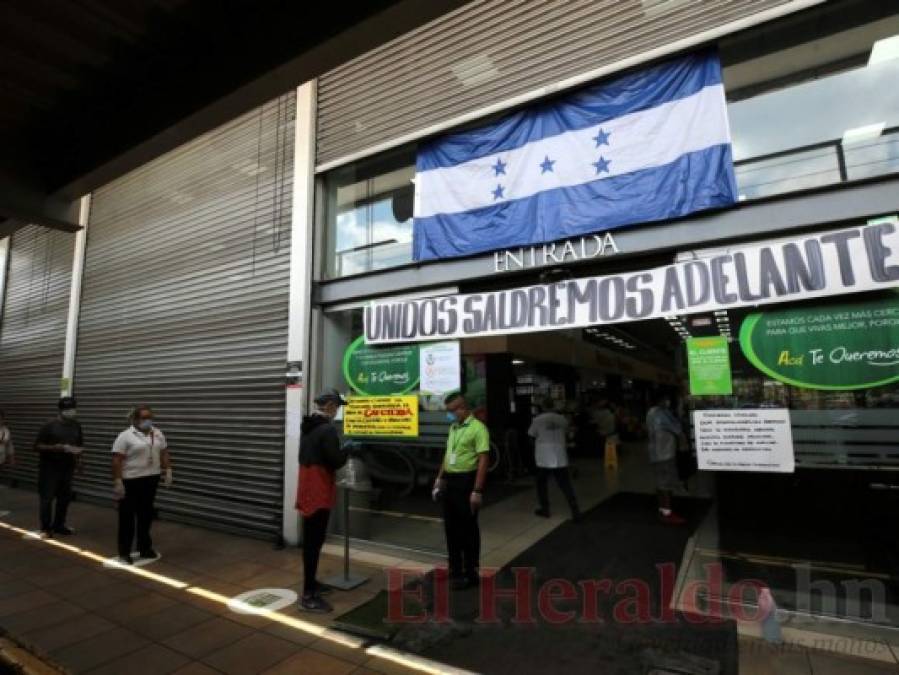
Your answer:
<point x="647" y="146"/>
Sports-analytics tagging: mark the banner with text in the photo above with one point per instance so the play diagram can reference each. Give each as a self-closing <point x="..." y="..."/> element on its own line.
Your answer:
<point x="842" y="261"/>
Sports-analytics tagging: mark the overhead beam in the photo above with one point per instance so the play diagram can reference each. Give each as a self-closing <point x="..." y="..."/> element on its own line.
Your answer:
<point x="391" y="23"/>
<point x="22" y="204"/>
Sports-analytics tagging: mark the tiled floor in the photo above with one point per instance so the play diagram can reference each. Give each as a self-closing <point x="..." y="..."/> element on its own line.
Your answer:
<point x="66" y="606"/>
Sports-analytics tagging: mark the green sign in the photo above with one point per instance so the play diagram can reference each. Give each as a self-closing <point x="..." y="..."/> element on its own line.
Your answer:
<point x="837" y="347"/>
<point x="376" y="371"/>
<point x="708" y="360"/>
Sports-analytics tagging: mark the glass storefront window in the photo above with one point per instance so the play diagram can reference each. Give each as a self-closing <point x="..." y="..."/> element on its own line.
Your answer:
<point x="832" y="518"/>
<point x="813" y="102"/>
<point x="368" y="212"/>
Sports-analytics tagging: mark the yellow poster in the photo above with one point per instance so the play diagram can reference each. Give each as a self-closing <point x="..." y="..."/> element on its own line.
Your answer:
<point x="381" y="416"/>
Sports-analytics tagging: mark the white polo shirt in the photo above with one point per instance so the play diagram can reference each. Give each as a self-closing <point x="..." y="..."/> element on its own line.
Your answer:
<point x="140" y="451"/>
<point x="549" y="431"/>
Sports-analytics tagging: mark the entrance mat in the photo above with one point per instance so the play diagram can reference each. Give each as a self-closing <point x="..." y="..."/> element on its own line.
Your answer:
<point x="369" y="620"/>
<point x="619" y="545"/>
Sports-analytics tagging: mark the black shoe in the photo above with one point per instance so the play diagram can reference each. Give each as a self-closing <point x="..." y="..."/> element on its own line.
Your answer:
<point x="577" y="518"/>
<point x="543" y="513"/>
<point x="149" y="554"/>
<point x="124" y="559"/>
<point x="64" y="530"/>
<point x="316" y="604"/>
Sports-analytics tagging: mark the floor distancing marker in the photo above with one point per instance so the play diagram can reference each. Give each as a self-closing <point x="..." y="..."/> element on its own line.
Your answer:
<point x="260" y="600"/>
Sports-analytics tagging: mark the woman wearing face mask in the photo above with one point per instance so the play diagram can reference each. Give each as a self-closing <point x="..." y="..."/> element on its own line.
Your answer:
<point x="139" y="455"/>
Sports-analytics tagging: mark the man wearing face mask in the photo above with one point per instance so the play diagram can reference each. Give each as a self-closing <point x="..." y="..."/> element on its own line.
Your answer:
<point x="321" y="455"/>
<point x="460" y="484"/>
<point x="60" y="443"/>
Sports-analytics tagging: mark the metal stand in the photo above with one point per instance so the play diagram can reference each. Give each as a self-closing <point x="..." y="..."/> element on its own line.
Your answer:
<point x="345" y="582"/>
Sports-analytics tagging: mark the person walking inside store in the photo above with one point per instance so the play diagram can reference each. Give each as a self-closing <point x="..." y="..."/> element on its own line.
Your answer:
<point x="665" y="432"/>
<point x="460" y="485"/>
<point x="60" y="443"/>
<point x="604" y="420"/>
<point x="549" y="430"/>
<point x="321" y="455"/>
<point x="140" y="455"/>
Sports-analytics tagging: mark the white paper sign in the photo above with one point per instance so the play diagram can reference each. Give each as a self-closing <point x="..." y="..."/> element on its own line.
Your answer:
<point x="440" y="366"/>
<point x="744" y="440"/>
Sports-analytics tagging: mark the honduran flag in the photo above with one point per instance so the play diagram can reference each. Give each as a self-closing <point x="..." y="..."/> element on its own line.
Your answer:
<point x="647" y="146"/>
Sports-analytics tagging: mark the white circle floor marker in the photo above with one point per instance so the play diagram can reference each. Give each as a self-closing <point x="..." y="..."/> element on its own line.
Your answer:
<point x="136" y="561"/>
<point x="262" y="600"/>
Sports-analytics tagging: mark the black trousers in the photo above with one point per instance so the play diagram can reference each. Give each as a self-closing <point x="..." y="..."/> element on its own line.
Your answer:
<point x="137" y="508"/>
<point x="54" y="483"/>
<point x="463" y="537"/>
<point x="315" y="529"/>
<point x="563" y="480"/>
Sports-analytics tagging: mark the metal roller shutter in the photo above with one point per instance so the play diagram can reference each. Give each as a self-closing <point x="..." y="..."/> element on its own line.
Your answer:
<point x="184" y="307"/>
<point x="33" y="335"/>
<point x="492" y="50"/>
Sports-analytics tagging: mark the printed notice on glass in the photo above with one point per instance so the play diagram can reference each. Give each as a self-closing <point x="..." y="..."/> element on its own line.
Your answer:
<point x="392" y="416"/>
<point x="744" y="440"/>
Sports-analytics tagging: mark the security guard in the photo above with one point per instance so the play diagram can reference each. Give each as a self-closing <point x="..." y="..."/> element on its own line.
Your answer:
<point x="460" y="483"/>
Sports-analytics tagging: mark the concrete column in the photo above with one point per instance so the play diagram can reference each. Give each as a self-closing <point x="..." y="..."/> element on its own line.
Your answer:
<point x="68" y="363"/>
<point x="301" y="231"/>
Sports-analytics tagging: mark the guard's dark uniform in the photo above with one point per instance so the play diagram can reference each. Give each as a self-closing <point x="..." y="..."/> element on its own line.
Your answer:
<point x="56" y="470"/>
<point x="465" y="443"/>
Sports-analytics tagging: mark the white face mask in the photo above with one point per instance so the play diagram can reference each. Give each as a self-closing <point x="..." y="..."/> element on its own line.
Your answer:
<point x="145" y="425"/>
<point x="69" y="414"/>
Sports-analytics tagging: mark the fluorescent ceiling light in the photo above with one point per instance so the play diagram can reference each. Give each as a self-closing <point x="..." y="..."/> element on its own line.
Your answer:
<point x="865" y="133"/>
<point x="886" y="49"/>
<point x="517" y="362"/>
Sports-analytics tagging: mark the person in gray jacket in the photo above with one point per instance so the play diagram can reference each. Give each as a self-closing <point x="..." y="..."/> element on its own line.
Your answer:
<point x="665" y="432"/>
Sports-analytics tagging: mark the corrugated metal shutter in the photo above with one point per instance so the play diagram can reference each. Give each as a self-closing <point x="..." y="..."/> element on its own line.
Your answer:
<point x="184" y="307"/>
<point x="492" y="50"/>
<point x="33" y="335"/>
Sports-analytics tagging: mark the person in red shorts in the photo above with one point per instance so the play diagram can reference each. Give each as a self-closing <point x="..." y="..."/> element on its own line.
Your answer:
<point x="321" y="455"/>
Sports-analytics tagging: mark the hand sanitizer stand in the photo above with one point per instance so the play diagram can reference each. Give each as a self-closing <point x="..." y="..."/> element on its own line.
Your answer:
<point x="353" y="478"/>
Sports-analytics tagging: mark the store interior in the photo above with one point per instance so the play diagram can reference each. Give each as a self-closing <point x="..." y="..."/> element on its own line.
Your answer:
<point x="832" y="521"/>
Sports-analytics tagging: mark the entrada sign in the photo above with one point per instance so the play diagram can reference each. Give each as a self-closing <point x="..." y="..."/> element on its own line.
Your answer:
<point x="814" y="266"/>
<point x="836" y="347"/>
<point x="584" y="248"/>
